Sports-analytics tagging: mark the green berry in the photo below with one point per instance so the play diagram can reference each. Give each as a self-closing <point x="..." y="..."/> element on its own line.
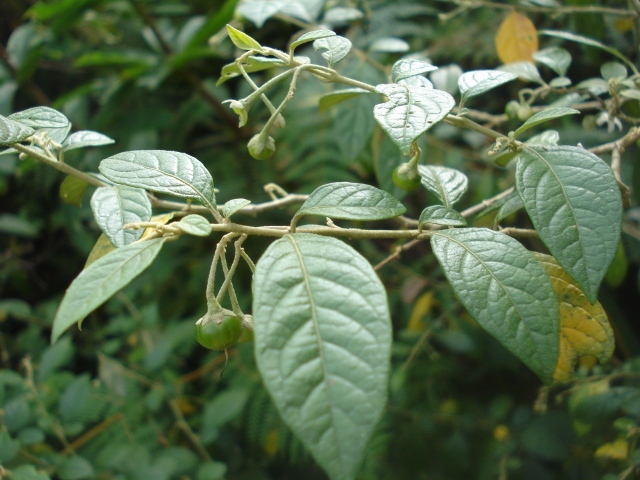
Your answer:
<point x="405" y="181"/>
<point x="218" y="331"/>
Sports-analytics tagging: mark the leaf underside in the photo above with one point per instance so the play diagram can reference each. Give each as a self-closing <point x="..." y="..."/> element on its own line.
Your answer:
<point x="574" y="203"/>
<point x="323" y="342"/>
<point x="506" y="290"/>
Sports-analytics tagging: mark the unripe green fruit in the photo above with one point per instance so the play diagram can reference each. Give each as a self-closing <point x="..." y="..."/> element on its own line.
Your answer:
<point x="260" y="148"/>
<point x="525" y="112"/>
<point x="405" y="181"/>
<point x="246" y="336"/>
<point x="218" y="331"/>
<point x="511" y="109"/>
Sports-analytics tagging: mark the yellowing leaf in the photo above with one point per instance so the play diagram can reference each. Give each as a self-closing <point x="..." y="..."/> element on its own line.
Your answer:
<point x="584" y="328"/>
<point x="616" y="450"/>
<point x="422" y="306"/>
<point x="100" y="249"/>
<point x="72" y="189"/>
<point x="517" y="39"/>
<point x="159" y="219"/>
<point x="272" y="443"/>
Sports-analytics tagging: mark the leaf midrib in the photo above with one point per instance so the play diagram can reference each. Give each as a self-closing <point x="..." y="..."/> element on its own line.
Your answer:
<point x="314" y="319"/>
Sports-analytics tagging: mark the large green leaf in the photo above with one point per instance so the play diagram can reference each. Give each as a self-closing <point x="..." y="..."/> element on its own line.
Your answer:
<point x="574" y="203"/>
<point x="101" y="279"/>
<point x="323" y="343"/>
<point x="13" y="132"/>
<point x="448" y="184"/>
<point x="506" y="290"/>
<point x="351" y="201"/>
<point x="410" y="111"/>
<point x="114" y="207"/>
<point x="161" y="171"/>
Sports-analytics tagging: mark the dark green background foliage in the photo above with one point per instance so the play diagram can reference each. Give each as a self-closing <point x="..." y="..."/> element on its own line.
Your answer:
<point x="133" y="396"/>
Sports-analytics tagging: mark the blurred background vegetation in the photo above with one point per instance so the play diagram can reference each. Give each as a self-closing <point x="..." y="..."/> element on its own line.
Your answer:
<point x="132" y="396"/>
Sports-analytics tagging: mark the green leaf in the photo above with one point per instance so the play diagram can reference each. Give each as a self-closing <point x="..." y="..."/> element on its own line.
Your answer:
<point x="574" y="203"/>
<point x="72" y="189"/>
<point x="545" y="116"/>
<point x="13" y="132"/>
<point x="232" y="206"/>
<point x="162" y="171"/>
<point x="114" y="207"/>
<point x="524" y="70"/>
<point x="448" y="184"/>
<point x="506" y="290"/>
<point x="336" y="48"/>
<point x="28" y="472"/>
<point x="410" y="112"/>
<point x="477" y="82"/>
<point x="242" y="40"/>
<point x="416" y="81"/>
<point x="100" y="280"/>
<point x="259" y="11"/>
<point x="330" y="99"/>
<point x="195" y="225"/>
<point x="76" y="468"/>
<point x="309" y="37"/>
<point x="440" y="215"/>
<point x="556" y="58"/>
<point x="548" y="137"/>
<point x="250" y="65"/>
<point x="590" y="42"/>
<point x="614" y="70"/>
<point x="41" y="117"/>
<point x="323" y="344"/>
<point x="560" y="82"/>
<point x="406" y="68"/>
<point x="85" y="138"/>
<point x="351" y="201"/>
<point x="389" y="45"/>
<point x="99" y="250"/>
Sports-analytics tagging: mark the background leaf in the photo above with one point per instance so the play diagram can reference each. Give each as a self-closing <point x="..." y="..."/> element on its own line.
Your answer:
<point x="323" y="340"/>
<point x="351" y="201"/>
<point x="574" y="203"/>
<point x="100" y="280"/>
<point x="161" y="171"/>
<point x="584" y="328"/>
<point x="114" y="207"/>
<point x="477" y="82"/>
<point x="510" y="295"/>
<point x="517" y="38"/>
<point x="410" y="112"/>
<point x="556" y="58"/>
<point x="448" y="184"/>
<point x="85" y="138"/>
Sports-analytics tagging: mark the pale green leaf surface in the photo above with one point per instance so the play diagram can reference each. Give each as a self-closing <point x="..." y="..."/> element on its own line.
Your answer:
<point x="524" y="70"/>
<point x="85" y="138"/>
<point x="195" y="225"/>
<point x="114" y="207"/>
<point x="448" y="184"/>
<point x="340" y="16"/>
<point x="41" y="117"/>
<point x="162" y="171"/>
<point x="573" y="200"/>
<point x="242" y="40"/>
<point x="330" y="99"/>
<point x="560" y="82"/>
<point x="506" y="290"/>
<point x="441" y="215"/>
<point x="416" y="81"/>
<point x="309" y="37"/>
<point x="478" y="82"/>
<point x="13" y="132"/>
<point x="336" y="48"/>
<point x="446" y="78"/>
<point x="556" y="58"/>
<point x="511" y="206"/>
<point x="323" y="343"/>
<point x="408" y="68"/>
<point x="101" y="279"/>
<point x="548" y="137"/>
<point x="410" y="112"/>
<point x="545" y="116"/>
<point x="232" y="206"/>
<point x="259" y="11"/>
<point x="613" y="70"/>
<point x="635" y="94"/>
<point x="588" y="41"/>
<point x="351" y="201"/>
<point x="389" y="45"/>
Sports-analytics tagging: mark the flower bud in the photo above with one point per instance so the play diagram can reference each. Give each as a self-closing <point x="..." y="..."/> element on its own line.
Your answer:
<point x="261" y="146"/>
